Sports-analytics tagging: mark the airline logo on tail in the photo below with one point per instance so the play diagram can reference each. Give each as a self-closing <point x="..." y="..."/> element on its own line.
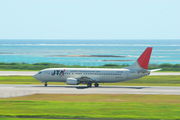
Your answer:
<point x="143" y="60"/>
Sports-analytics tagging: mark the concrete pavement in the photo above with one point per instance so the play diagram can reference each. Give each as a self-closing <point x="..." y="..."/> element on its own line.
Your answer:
<point x="9" y="90"/>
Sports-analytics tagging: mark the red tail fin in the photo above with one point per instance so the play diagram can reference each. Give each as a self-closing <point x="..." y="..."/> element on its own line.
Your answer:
<point x="143" y="60"/>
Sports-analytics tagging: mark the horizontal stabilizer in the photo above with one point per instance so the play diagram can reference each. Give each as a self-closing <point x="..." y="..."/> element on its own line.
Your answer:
<point x="154" y="70"/>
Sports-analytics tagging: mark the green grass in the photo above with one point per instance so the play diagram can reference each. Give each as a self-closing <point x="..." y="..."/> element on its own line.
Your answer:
<point x="14" y="118"/>
<point x="80" y="106"/>
<point x="145" y="81"/>
<point x="18" y="80"/>
<point x="165" y="80"/>
<point x="99" y="98"/>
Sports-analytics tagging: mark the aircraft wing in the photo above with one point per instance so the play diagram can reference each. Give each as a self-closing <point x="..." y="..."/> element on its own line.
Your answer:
<point x="85" y="79"/>
<point x="154" y="70"/>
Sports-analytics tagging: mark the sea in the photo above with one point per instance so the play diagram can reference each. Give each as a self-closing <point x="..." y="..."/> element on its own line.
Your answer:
<point x="88" y="52"/>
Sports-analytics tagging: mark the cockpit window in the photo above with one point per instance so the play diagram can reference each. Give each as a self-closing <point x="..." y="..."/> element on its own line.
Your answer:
<point x="39" y="72"/>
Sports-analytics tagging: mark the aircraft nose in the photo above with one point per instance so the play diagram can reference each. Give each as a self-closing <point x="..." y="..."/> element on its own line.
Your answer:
<point x="36" y="76"/>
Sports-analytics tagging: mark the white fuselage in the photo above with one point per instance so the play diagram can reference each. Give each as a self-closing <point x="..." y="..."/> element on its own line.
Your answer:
<point x="75" y="76"/>
<point x="88" y="74"/>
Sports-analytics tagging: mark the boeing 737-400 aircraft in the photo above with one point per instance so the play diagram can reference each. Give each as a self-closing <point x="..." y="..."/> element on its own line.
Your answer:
<point x="76" y="76"/>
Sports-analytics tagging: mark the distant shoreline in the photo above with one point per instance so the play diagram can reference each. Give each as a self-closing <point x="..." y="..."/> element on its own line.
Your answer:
<point x="87" y="52"/>
<point x="40" y="66"/>
<point x="87" y="56"/>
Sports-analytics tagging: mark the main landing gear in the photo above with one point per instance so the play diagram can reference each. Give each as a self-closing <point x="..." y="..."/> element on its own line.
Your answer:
<point x="96" y="85"/>
<point x="45" y="84"/>
<point x="90" y="84"/>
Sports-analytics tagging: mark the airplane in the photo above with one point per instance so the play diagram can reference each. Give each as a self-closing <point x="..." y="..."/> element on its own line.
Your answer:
<point x="89" y="76"/>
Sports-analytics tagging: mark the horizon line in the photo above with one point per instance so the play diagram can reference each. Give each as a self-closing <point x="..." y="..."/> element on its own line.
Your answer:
<point x="88" y="39"/>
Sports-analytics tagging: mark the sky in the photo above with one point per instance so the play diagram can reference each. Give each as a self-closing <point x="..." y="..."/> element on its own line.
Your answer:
<point x="89" y="19"/>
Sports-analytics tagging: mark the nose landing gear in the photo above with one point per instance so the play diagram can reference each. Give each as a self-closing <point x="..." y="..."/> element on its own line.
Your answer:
<point x="45" y="84"/>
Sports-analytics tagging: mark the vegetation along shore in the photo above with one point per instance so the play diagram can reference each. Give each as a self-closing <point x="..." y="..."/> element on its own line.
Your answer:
<point x="39" y="66"/>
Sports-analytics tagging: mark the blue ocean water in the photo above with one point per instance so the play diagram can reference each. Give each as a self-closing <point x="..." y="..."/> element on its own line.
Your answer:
<point x="52" y="51"/>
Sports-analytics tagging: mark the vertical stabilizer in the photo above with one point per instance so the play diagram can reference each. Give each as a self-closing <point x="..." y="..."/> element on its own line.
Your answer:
<point x="143" y="61"/>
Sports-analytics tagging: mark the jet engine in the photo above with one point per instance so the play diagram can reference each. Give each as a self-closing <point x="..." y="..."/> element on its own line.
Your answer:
<point x="71" y="81"/>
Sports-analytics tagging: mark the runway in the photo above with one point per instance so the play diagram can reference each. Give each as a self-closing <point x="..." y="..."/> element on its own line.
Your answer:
<point x="9" y="90"/>
<point x="17" y="73"/>
<point x="31" y="73"/>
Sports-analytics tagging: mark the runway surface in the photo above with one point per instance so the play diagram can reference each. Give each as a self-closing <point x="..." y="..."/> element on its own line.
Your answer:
<point x="31" y="73"/>
<point x="8" y="90"/>
<point x="17" y="73"/>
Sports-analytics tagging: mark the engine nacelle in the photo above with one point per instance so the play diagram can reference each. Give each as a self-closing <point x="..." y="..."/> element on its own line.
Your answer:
<point x="72" y="81"/>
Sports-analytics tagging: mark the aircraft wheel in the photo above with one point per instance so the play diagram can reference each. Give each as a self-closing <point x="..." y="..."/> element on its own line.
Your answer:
<point x="45" y="84"/>
<point x="96" y="85"/>
<point x="89" y="85"/>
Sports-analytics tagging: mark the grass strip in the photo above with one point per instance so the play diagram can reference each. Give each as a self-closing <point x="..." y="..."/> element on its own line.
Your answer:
<point x="81" y="106"/>
<point x="22" y="118"/>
